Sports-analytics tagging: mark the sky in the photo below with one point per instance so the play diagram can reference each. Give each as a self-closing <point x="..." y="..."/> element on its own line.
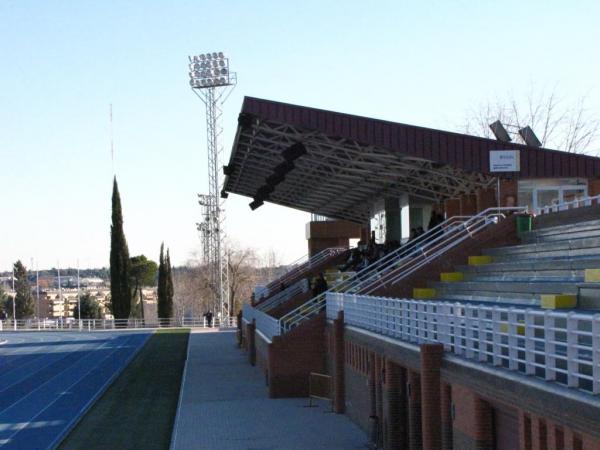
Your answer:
<point x="62" y="63"/>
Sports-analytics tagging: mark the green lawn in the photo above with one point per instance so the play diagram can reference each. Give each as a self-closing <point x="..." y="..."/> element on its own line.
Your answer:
<point x="138" y="409"/>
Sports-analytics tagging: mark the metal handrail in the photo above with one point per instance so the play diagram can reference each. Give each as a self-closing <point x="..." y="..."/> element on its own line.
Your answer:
<point x="111" y="324"/>
<point x="581" y="202"/>
<point x="283" y="296"/>
<point x="310" y="262"/>
<point x="402" y="258"/>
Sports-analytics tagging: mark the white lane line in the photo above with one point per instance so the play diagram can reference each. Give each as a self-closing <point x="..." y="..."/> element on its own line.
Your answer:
<point x="84" y="409"/>
<point x="9" y="438"/>
<point x="54" y="376"/>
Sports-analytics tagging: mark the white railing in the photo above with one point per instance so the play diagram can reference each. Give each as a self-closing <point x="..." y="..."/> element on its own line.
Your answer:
<point x="112" y="324"/>
<point x="561" y="347"/>
<point x="578" y="203"/>
<point x="400" y="263"/>
<point x="267" y="325"/>
<point x="283" y="296"/>
<point x="298" y="269"/>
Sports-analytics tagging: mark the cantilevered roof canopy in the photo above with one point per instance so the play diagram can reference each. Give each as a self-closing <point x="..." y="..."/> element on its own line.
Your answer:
<point x="336" y="164"/>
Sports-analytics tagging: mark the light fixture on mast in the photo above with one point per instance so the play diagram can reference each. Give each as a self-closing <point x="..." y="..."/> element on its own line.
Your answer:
<point x="212" y="81"/>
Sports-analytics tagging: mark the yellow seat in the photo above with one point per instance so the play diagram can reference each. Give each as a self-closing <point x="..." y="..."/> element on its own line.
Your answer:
<point x="479" y="260"/>
<point x="592" y="275"/>
<point x="520" y="328"/>
<point x="424" y="293"/>
<point x="451" y="276"/>
<point x="558" y="301"/>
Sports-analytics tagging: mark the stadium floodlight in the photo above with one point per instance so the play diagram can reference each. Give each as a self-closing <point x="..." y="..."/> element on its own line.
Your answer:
<point x="257" y="203"/>
<point x="529" y="137"/>
<point x="213" y="86"/>
<point x="210" y="70"/>
<point x="500" y="132"/>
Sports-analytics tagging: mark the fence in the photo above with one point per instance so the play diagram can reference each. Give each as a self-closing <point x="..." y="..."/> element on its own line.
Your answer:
<point x="562" y="347"/>
<point x="267" y="325"/>
<point x="112" y="324"/>
<point x="578" y="203"/>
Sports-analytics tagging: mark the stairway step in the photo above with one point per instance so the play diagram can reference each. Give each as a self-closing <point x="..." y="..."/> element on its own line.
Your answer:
<point x="562" y="276"/>
<point x="561" y="232"/>
<point x="570" y="244"/>
<point x="535" y="264"/>
<point x="493" y="299"/>
<point x="584" y="252"/>
<point x="505" y="287"/>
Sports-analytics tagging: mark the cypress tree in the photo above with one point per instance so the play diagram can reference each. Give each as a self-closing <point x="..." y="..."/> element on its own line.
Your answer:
<point x="162" y="284"/>
<point x="24" y="303"/>
<point x="120" y="290"/>
<point x="169" y="287"/>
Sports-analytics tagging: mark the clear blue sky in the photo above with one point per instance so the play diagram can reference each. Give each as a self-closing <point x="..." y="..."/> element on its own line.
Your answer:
<point x="64" y="62"/>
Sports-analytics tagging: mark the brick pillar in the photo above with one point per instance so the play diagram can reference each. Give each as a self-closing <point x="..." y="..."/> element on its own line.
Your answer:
<point x="339" y="393"/>
<point x="395" y="406"/>
<point x="452" y="207"/>
<point x="239" y="329"/>
<point x="468" y="205"/>
<point x="483" y="421"/>
<point x="379" y="398"/>
<point x="446" y="410"/>
<point x="486" y="198"/>
<point x="251" y="338"/>
<point x="524" y="431"/>
<point x="414" y="411"/>
<point x="508" y="188"/>
<point x="431" y="423"/>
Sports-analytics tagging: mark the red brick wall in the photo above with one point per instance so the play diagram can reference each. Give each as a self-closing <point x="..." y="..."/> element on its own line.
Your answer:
<point x="293" y="356"/>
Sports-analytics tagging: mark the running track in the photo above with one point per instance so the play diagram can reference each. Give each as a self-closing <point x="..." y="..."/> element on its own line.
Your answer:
<point x="49" y="379"/>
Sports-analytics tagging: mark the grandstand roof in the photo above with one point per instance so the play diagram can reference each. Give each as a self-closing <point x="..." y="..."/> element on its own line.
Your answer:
<point x="345" y="161"/>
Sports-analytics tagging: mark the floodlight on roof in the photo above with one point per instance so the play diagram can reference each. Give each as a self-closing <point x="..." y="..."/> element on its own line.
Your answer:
<point x="529" y="137"/>
<point x="215" y="55"/>
<point x="221" y="55"/>
<point x="500" y="132"/>
<point x="202" y="57"/>
<point x="257" y="203"/>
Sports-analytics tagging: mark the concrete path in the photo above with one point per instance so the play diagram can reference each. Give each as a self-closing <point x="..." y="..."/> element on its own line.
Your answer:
<point x="224" y="405"/>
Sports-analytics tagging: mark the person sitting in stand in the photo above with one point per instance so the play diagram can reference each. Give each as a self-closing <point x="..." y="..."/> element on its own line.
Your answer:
<point x="320" y="285"/>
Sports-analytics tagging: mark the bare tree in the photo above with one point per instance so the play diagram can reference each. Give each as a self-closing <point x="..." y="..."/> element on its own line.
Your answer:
<point x="243" y="275"/>
<point x="567" y="126"/>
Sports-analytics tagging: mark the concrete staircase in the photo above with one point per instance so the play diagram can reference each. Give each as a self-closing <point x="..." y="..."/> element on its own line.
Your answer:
<point x="551" y="261"/>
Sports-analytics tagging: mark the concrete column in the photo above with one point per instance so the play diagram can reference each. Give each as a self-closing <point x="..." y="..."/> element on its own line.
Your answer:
<point x="431" y="359"/>
<point x="414" y="411"/>
<point x="251" y="338"/>
<point x="395" y="406"/>
<point x="446" y="410"/>
<point x="339" y="395"/>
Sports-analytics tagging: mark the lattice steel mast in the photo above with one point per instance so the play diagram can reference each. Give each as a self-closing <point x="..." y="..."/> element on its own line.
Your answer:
<point x="212" y="81"/>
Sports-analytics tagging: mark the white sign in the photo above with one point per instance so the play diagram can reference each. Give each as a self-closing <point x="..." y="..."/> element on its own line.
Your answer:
<point x="505" y="160"/>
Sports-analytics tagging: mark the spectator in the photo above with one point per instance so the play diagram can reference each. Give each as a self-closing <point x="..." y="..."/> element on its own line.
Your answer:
<point x="320" y="285"/>
<point x="209" y="317"/>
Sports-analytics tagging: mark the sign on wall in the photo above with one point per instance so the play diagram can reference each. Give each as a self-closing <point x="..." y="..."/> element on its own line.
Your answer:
<point x="505" y="160"/>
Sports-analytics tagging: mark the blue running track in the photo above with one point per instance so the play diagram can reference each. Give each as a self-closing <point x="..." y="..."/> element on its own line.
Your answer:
<point x="49" y="379"/>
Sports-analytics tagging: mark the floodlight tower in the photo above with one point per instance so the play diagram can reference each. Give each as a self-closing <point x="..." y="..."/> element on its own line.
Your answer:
<point x="212" y="82"/>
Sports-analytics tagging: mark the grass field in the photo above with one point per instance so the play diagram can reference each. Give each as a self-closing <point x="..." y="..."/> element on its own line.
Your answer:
<point x="138" y="409"/>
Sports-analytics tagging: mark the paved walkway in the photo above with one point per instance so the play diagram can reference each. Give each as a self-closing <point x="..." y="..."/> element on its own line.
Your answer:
<point x="224" y="405"/>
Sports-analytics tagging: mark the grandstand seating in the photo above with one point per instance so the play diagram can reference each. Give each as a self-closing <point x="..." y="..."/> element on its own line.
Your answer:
<point x="550" y="261"/>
